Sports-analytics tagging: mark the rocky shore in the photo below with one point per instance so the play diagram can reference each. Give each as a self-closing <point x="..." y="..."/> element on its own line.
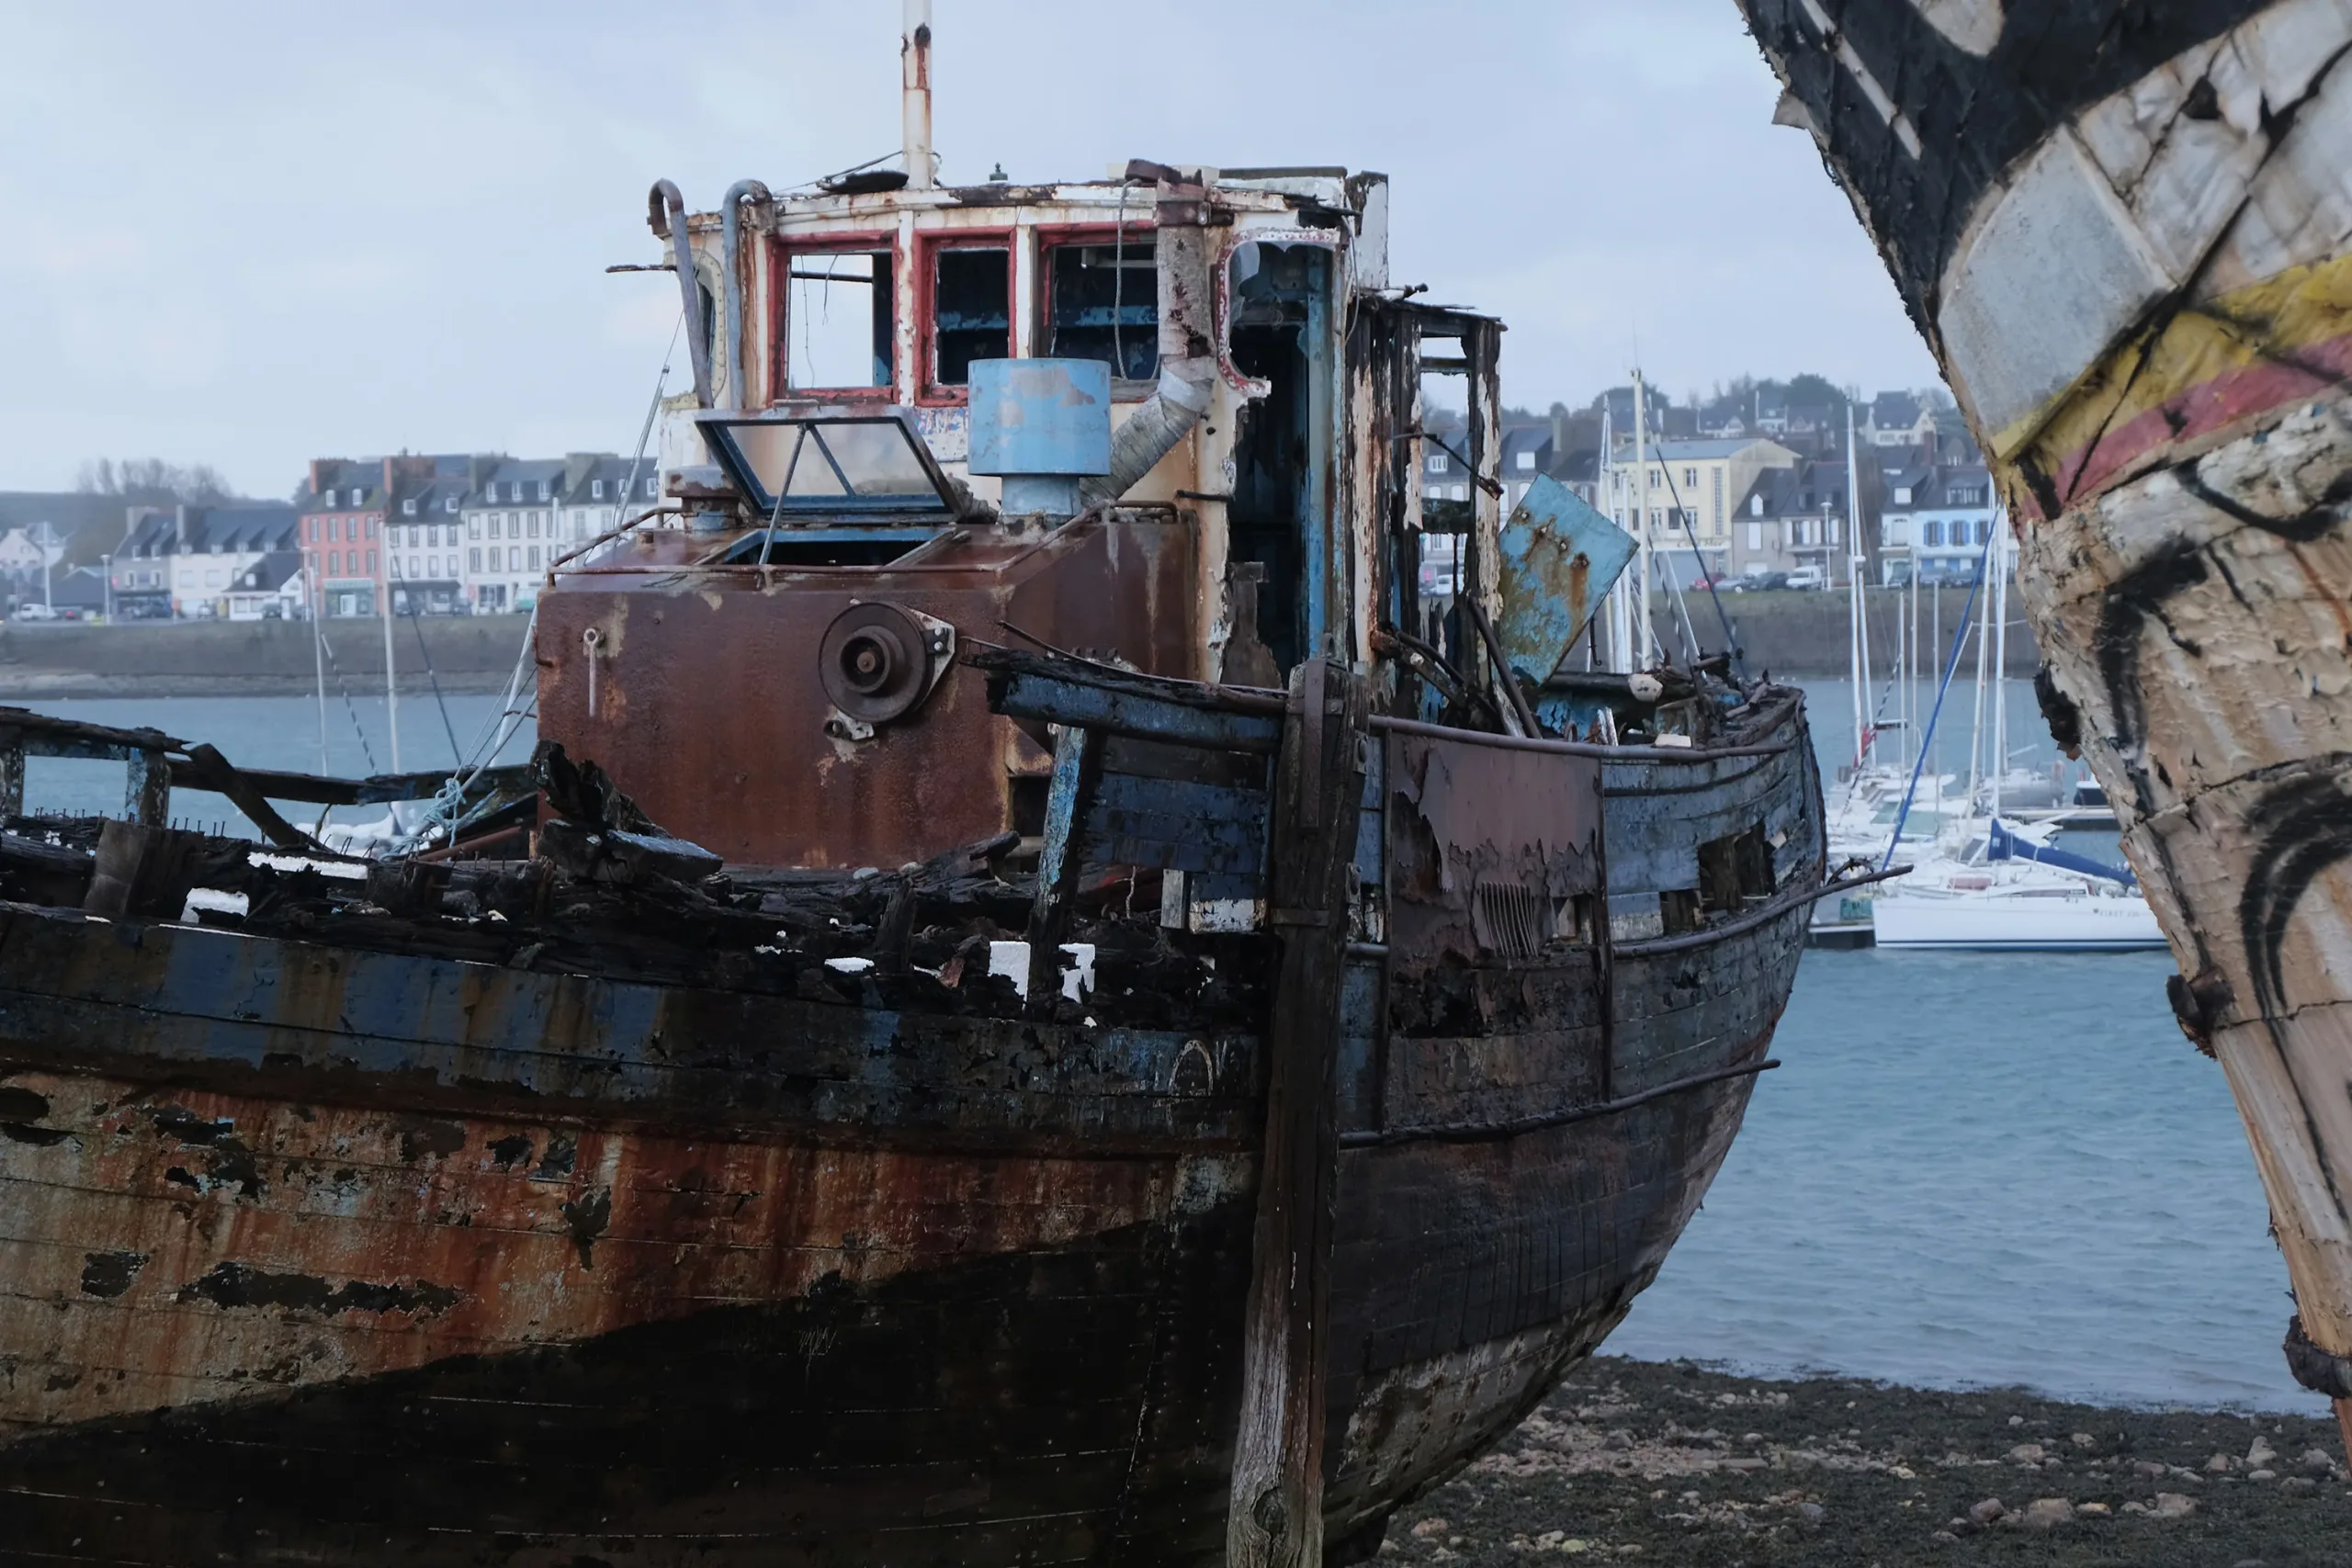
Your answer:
<point x="1670" y="1463"/>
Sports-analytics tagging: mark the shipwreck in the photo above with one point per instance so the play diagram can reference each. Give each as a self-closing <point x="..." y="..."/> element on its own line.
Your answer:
<point x="1041" y="1000"/>
<point x="2122" y="229"/>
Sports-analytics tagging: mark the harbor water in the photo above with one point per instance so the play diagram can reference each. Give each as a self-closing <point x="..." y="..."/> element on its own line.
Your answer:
<point x="1971" y="1169"/>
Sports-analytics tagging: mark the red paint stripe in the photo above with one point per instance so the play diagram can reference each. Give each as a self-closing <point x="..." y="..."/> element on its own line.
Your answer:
<point x="2207" y="407"/>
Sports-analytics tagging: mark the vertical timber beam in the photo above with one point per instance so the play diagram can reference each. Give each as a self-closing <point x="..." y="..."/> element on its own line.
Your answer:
<point x="1078" y="764"/>
<point x="147" y="789"/>
<point x="1276" y="1516"/>
<point x="12" y="773"/>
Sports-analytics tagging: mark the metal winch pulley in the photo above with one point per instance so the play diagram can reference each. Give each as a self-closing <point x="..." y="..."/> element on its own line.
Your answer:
<point x="878" y="661"/>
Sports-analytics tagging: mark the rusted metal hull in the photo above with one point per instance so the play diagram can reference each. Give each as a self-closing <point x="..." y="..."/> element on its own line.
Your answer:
<point x="2122" y="231"/>
<point x="325" y="1251"/>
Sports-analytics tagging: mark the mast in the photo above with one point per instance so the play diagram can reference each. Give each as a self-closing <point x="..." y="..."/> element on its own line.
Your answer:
<point x="314" y="594"/>
<point x="1854" y="577"/>
<point x="1976" y="723"/>
<point x="914" y="97"/>
<point x="1646" y="641"/>
<point x="1999" y="559"/>
<point x="392" y="686"/>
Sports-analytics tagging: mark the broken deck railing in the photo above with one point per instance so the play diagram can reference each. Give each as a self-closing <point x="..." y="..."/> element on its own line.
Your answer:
<point x="155" y="763"/>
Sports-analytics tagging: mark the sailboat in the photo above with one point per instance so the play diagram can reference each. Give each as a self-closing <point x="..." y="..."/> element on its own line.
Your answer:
<point x="1990" y="884"/>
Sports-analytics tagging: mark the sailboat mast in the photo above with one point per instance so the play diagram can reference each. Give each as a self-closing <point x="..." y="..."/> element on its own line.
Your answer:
<point x="1646" y="641"/>
<point x="1858" y="634"/>
<point x="2000" y="560"/>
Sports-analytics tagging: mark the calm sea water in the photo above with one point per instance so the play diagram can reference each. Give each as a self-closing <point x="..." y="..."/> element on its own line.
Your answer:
<point x="1973" y="1169"/>
<point x="1985" y="1169"/>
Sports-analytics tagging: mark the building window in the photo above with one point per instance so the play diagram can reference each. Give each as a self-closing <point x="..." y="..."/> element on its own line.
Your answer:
<point x="1691" y="478"/>
<point x="498" y="524"/>
<point x="1755" y="537"/>
<point x="596" y="490"/>
<point x="543" y="489"/>
<point x="514" y="558"/>
<point x="334" y="563"/>
<point x="473" y="559"/>
<point x="450" y="505"/>
<point x="1526" y="462"/>
<point x="535" y="558"/>
<point x="532" y="527"/>
<point x="408" y="507"/>
<point x="473" y="529"/>
<point x="329" y="498"/>
<point x="651" y="492"/>
<point x="415" y="567"/>
<point x="515" y="489"/>
<point x="371" y="527"/>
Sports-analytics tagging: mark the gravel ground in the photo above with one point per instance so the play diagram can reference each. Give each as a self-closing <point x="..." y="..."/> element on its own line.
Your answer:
<point x="1672" y="1465"/>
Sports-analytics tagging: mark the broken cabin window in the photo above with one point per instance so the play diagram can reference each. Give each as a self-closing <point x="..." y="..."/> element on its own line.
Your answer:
<point x="838" y="320"/>
<point x="971" y="305"/>
<point x="1103" y="304"/>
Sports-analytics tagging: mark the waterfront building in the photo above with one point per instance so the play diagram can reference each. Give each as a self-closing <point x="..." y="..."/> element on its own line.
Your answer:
<point x="184" y="560"/>
<point x="1898" y="419"/>
<point x="1939" y="515"/>
<point x="423" y="532"/>
<point x="342" y="510"/>
<point x="524" y="513"/>
<point x="1694" y="488"/>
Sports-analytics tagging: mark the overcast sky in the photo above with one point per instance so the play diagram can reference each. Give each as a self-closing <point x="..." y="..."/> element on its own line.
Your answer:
<point x="247" y="234"/>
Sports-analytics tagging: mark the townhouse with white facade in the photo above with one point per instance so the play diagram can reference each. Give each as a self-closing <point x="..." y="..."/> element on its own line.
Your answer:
<point x="525" y="513"/>
<point x="186" y="560"/>
<point x="1938" y="517"/>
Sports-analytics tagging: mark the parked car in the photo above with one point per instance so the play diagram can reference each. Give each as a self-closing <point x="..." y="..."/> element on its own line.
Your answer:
<point x="34" y="611"/>
<point x="1805" y="577"/>
<point x="1757" y="581"/>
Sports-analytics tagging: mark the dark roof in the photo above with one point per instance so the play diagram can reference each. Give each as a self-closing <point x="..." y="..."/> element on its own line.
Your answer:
<point x="1893" y="411"/>
<point x="269" y="574"/>
<point x="83" y="588"/>
<point x="357" y="485"/>
<point x="214" y="530"/>
<point x="529" y="473"/>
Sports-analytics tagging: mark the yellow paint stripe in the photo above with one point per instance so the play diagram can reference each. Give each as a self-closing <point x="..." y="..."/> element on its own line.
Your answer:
<point x="2268" y="320"/>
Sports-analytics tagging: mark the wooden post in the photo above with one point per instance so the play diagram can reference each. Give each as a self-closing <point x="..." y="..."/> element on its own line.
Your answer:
<point x="12" y="773"/>
<point x="1275" y="1517"/>
<point x="147" y="789"/>
<point x="1078" y="764"/>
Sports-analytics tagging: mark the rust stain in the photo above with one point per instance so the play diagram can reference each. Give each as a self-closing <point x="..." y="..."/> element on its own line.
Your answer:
<point x="359" y="1229"/>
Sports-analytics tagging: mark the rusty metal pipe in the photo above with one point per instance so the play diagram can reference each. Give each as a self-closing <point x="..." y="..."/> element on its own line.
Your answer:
<point x="914" y="102"/>
<point x="730" y="269"/>
<point x="1187" y="345"/>
<point x="665" y="214"/>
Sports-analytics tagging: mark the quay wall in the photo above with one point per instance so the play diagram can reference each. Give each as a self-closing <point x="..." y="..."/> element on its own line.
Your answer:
<point x="466" y="653"/>
<point x="1804" y="634"/>
<point x="1788" y="634"/>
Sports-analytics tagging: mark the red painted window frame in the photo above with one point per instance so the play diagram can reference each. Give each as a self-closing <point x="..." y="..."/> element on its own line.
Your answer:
<point x="783" y="248"/>
<point x="928" y="393"/>
<point x="1053" y="237"/>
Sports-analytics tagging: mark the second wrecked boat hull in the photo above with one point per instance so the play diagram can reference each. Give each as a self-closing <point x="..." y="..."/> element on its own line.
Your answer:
<point x="2123" y="229"/>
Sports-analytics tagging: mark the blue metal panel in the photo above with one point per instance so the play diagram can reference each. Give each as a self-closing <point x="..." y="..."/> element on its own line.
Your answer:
<point x="1177" y="825"/>
<point x="1027" y="695"/>
<point x="1041" y="416"/>
<point x="1560" y="557"/>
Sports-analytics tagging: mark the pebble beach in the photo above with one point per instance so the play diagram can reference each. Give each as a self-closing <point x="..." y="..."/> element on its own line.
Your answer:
<point x="1673" y="1463"/>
